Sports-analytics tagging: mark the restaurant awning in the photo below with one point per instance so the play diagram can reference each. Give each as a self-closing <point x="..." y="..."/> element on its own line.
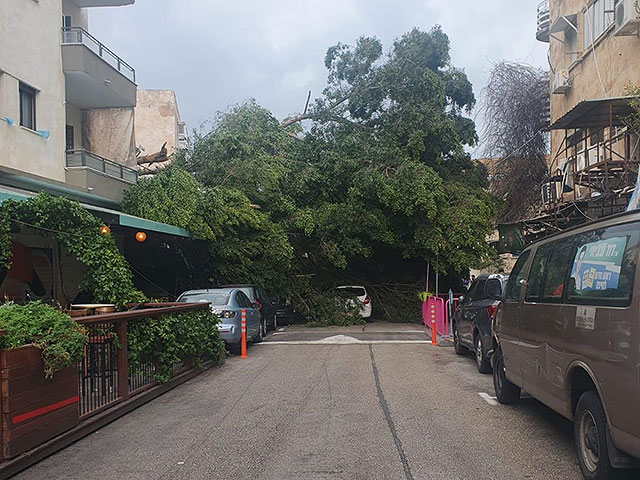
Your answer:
<point x="596" y="114"/>
<point x="112" y="217"/>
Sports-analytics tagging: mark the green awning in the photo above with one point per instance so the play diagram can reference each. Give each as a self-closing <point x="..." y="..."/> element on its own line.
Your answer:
<point x="115" y="217"/>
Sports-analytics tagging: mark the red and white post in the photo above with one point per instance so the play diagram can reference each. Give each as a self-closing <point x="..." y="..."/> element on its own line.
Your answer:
<point x="434" y="334"/>
<point x="243" y="342"/>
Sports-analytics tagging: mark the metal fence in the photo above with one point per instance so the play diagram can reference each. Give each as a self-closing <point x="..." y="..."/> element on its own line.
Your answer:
<point x="83" y="158"/>
<point x="77" y="35"/>
<point x="105" y="376"/>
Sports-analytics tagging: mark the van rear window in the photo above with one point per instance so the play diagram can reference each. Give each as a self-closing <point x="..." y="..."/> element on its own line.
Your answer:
<point x="603" y="266"/>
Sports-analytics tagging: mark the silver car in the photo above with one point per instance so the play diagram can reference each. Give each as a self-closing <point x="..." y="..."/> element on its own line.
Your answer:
<point x="227" y="304"/>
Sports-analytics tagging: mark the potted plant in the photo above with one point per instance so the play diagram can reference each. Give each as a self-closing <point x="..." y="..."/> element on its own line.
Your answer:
<point x="40" y="349"/>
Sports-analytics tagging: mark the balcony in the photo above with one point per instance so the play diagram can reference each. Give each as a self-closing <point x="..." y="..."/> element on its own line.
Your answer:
<point x="544" y="22"/>
<point x="95" y="77"/>
<point x="82" y="158"/>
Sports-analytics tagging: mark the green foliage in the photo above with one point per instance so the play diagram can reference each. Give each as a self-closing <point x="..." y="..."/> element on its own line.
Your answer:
<point x="244" y="244"/>
<point x="379" y="179"/>
<point x="333" y="308"/>
<point x="108" y="277"/>
<point x="59" y="337"/>
<point x="172" y="339"/>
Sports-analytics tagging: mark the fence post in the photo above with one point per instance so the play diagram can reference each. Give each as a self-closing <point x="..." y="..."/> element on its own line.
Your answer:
<point x="123" y="363"/>
<point x="243" y="341"/>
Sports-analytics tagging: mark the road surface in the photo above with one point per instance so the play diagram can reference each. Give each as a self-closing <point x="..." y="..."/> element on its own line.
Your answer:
<point x="374" y="402"/>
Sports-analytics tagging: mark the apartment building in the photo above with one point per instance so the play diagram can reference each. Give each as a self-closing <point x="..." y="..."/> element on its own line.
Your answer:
<point x="159" y="130"/>
<point x="594" y="46"/>
<point x="66" y="101"/>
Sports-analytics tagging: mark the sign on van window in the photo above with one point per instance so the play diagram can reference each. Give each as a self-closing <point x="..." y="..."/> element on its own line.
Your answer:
<point x="597" y="265"/>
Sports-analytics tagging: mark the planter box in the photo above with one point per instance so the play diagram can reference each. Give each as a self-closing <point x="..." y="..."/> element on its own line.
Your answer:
<point x="34" y="409"/>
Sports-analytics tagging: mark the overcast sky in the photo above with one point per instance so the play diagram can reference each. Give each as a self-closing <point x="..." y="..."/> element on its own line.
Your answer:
<point x="217" y="53"/>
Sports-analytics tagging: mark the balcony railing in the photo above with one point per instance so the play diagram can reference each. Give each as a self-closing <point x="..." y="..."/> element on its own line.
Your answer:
<point x="82" y="158"/>
<point x="77" y="35"/>
<point x="544" y="21"/>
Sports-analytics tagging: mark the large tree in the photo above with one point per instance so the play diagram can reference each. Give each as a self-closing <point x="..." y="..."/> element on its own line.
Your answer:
<point x="377" y="182"/>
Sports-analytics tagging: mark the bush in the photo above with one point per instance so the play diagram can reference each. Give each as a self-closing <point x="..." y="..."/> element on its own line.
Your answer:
<point x="172" y="339"/>
<point x="59" y="337"/>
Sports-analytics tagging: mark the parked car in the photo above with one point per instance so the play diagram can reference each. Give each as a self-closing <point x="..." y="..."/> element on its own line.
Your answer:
<point x="284" y="311"/>
<point x="472" y="321"/>
<point x="568" y="333"/>
<point x="261" y="299"/>
<point x="362" y="297"/>
<point x="227" y="304"/>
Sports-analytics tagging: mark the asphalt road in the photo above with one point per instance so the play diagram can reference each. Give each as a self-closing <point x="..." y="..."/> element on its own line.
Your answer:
<point x="329" y="403"/>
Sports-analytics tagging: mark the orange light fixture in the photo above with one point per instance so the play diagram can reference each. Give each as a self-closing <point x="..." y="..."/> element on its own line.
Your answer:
<point x="104" y="230"/>
<point x="141" y="236"/>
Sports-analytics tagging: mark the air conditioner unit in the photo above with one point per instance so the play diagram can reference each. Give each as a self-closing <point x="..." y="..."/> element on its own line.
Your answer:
<point x="627" y="17"/>
<point x="561" y="82"/>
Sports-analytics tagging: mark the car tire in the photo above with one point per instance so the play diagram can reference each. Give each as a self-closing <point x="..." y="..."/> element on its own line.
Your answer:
<point x="457" y="346"/>
<point x="481" y="358"/>
<point x="261" y="332"/>
<point x="506" y="392"/>
<point x="590" y="436"/>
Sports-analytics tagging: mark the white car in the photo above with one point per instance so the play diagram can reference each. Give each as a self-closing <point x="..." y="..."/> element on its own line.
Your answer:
<point x="361" y="293"/>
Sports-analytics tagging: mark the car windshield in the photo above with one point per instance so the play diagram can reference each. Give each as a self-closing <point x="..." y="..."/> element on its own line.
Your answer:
<point x="213" y="298"/>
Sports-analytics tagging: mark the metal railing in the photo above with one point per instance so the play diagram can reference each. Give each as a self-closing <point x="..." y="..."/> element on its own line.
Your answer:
<point x="106" y="374"/>
<point x="77" y="35"/>
<point x="544" y="21"/>
<point x="83" y="158"/>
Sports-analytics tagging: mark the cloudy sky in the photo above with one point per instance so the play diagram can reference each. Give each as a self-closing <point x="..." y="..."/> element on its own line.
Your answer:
<point x="215" y="53"/>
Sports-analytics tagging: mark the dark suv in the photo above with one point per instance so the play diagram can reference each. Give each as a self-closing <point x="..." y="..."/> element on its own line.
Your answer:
<point x="261" y="299"/>
<point x="472" y="321"/>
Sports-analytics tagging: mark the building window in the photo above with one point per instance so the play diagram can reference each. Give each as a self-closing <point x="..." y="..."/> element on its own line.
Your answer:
<point x="27" y="106"/>
<point x="70" y="138"/>
<point x="598" y="17"/>
<point x="571" y="45"/>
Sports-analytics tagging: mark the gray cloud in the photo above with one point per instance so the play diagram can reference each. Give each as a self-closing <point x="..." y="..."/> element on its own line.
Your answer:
<point x="215" y="54"/>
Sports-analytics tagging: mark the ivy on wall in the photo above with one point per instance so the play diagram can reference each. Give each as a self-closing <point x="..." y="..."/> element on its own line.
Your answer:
<point x="108" y="276"/>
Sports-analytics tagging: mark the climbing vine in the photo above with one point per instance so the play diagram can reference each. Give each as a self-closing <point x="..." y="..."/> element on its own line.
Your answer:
<point x="171" y="340"/>
<point x="108" y="276"/>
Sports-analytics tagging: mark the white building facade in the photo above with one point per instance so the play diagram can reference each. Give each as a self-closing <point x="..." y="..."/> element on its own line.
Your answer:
<point x="66" y="100"/>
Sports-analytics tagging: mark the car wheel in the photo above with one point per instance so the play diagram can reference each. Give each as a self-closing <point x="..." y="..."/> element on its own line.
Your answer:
<point x="481" y="359"/>
<point x="590" y="435"/>
<point x="458" y="347"/>
<point x="261" y="332"/>
<point x="506" y="392"/>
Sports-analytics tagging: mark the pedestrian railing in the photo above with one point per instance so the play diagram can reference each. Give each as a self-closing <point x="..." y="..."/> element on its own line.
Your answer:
<point x="106" y="375"/>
